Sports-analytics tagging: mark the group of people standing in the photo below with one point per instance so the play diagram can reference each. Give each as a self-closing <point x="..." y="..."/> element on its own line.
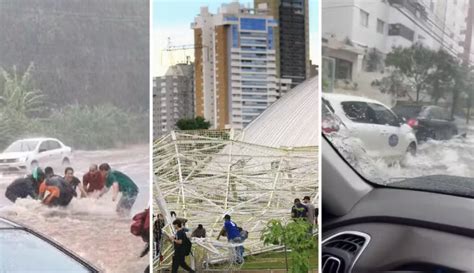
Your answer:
<point x="56" y="190"/>
<point x="181" y="239"/>
<point x="305" y="210"/>
<point x="235" y="234"/>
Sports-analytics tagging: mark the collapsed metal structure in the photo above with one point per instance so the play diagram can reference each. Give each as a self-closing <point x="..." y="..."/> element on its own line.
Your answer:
<point x="203" y="175"/>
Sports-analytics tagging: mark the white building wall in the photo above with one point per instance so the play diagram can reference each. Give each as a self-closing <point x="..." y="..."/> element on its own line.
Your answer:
<point x="343" y="19"/>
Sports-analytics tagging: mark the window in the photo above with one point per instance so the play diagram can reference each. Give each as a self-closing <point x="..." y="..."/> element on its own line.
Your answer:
<point x="252" y="24"/>
<point x="357" y="111"/>
<point x="380" y="26"/>
<point x="364" y="18"/>
<point x="53" y="145"/>
<point x="373" y="113"/>
<point x="43" y="147"/>
<point x="343" y="69"/>
<point x="401" y="30"/>
<point x="383" y="116"/>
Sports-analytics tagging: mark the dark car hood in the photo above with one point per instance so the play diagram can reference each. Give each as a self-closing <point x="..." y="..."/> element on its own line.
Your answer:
<point x="453" y="185"/>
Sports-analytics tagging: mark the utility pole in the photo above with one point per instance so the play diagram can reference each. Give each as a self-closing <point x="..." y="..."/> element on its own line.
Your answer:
<point x="468" y="36"/>
<point x="466" y="57"/>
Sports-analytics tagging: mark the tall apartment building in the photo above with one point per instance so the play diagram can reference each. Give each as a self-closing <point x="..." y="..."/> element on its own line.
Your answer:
<point x="235" y="65"/>
<point x="363" y="25"/>
<point x="173" y="98"/>
<point x="291" y="37"/>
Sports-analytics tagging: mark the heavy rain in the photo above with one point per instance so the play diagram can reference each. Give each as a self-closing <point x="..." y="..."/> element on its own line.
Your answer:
<point x="77" y="72"/>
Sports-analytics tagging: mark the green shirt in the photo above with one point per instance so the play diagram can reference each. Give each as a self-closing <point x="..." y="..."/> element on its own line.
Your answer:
<point x="126" y="185"/>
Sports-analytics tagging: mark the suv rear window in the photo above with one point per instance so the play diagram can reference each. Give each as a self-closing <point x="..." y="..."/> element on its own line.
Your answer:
<point x="408" y="111"/>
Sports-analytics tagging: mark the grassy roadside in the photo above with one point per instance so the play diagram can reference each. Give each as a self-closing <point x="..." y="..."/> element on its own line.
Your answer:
<point x="275" y="260"/>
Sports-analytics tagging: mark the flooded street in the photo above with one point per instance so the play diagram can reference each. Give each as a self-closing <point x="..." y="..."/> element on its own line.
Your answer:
<point x="90" y="227"/>
<point x="447" y="157"/>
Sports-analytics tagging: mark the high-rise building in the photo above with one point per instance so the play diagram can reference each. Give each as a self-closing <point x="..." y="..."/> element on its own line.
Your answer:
<point x="291" y="37"/>
<point x="235" y="65"/>
<point x="173" y="98"/>
<point x="367" y="26"/>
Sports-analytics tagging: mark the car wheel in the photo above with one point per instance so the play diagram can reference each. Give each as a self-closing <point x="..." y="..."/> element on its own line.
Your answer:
<point x="66" y="162"/>
<point x="412" y="149"/>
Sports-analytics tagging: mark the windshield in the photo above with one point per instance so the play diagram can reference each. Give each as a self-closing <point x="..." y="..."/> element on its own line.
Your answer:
<point x="24" y="252"/>
<point x="404" y="92"/>
<point x="22" y="146"/>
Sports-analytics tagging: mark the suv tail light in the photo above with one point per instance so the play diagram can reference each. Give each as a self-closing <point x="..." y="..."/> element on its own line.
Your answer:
<point x="412" y="122"/>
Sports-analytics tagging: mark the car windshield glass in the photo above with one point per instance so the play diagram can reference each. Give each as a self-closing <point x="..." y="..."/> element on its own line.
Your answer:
<point x="24" y="252"/>
<point x="405" y="94"/>
<point x="22" y="146"/>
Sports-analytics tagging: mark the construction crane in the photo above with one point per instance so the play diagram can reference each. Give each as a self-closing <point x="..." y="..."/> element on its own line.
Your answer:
<point x="169" y="48"/>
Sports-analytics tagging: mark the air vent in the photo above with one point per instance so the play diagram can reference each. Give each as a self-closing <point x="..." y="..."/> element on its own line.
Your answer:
<point x="347" y="242"/>
<point x="341" y="251"/>
<point x="332" y="264"/>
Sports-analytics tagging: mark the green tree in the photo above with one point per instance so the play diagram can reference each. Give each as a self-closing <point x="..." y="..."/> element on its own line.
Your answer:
<point x="197" y="123"/>
<point x="415" y="63"/>
<point x="442" y="79"/>
<point x="18" y="94"/>
<point x="20" y="104"/>
<point x="294" y="236"/>
<point x="393" y="84"/>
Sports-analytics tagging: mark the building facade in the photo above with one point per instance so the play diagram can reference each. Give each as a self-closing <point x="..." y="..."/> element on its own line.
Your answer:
<point x="173" y="98"/>
<point x="291" y="37"/>
<point x="235" y="65"/>
<point x="379" y="26"/>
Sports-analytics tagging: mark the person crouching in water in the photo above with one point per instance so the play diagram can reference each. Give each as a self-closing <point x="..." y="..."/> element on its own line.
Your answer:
<point x="93" y="180"/>
<point x="25" y="186"/>
<point x="56" y="191"/>
<point x="74" y="181"/>
<point x="119" y="183"/>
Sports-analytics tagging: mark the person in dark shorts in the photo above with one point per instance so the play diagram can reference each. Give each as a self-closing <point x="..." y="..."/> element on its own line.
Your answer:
<point x="25" y="186"/>
<point x="55" y="191"/>
<point x="93" y="180"/>
<point x="179" y="257"/>
<point x="119" y="182"/>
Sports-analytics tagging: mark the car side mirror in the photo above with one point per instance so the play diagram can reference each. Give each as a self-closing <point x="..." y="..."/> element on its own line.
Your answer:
<point x="42" y="150"/>
<point x="402" y="121"/>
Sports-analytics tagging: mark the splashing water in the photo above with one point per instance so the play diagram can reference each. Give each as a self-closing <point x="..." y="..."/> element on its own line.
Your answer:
<point x="448" y="157"/>
<point x="90" y="227"/>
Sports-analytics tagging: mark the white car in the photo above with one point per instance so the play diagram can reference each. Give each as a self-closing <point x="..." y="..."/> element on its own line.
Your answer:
<point x="382" y="133"/>
<point x="22" y="155"/>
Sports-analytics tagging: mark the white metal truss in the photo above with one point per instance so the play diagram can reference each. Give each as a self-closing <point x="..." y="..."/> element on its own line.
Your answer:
<point x="203" y="175"/>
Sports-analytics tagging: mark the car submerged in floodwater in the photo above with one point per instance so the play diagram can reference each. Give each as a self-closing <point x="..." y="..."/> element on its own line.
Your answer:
<point x="24" y="250"/>
<point x="429" y="122"/>
<point x="25" y="154"/>
<point x="382" y="133"/>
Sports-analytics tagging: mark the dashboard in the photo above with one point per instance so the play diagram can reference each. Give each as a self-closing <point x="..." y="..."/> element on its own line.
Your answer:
<point x="394" y="230"/>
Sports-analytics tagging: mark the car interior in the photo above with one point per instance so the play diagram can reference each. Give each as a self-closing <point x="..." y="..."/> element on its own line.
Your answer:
<point x="403" y="228"/>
